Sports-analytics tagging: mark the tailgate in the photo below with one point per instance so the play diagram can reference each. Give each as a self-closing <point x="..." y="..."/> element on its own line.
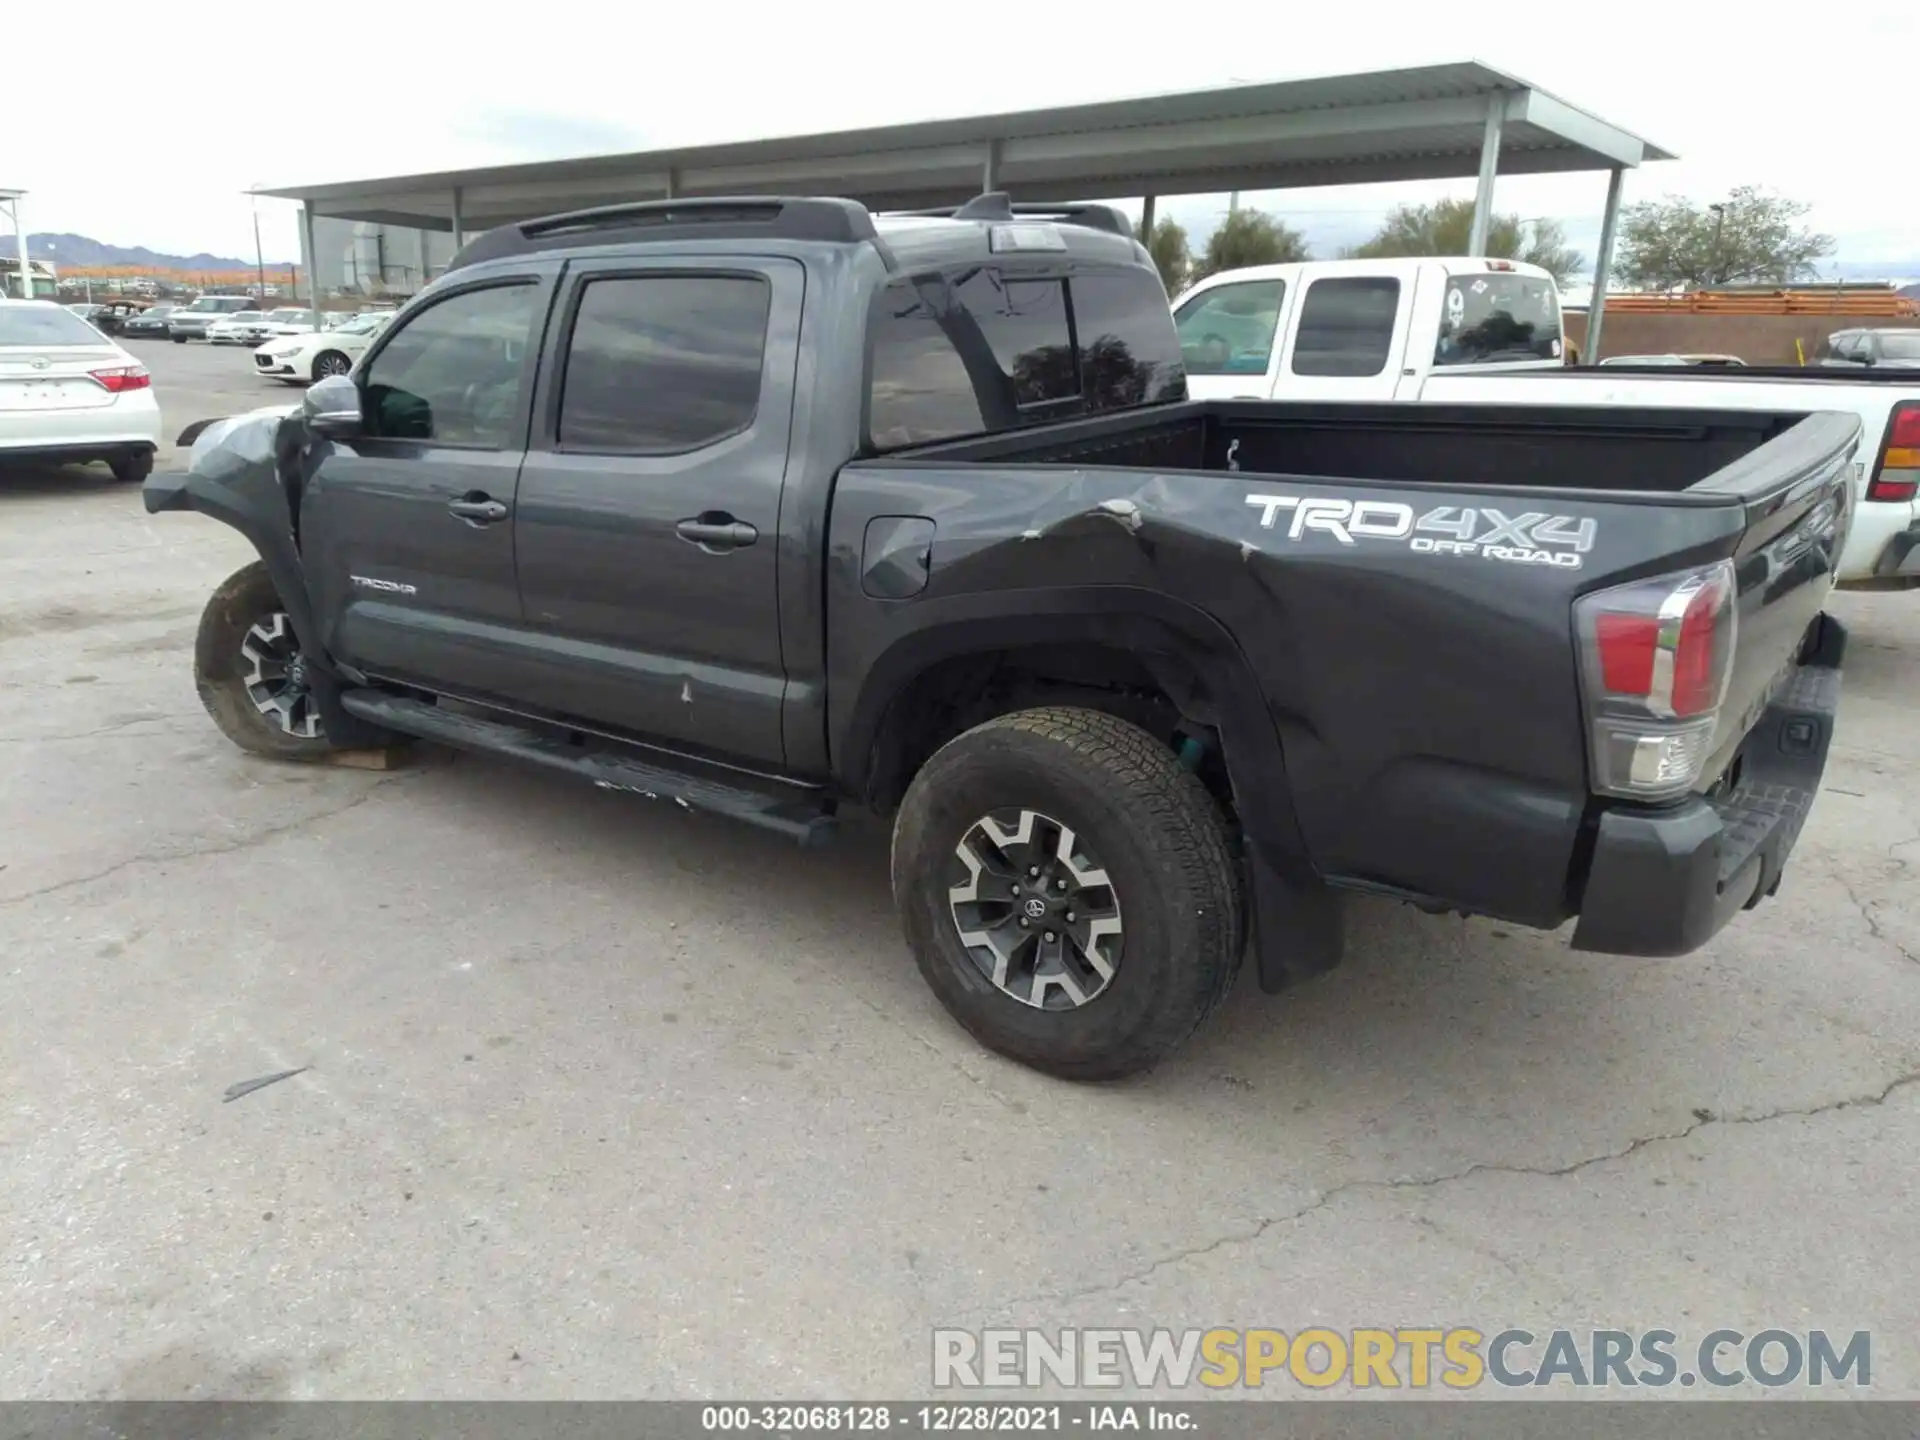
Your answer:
<point x="1799" y="504"/>
<point x="1749" y="630"/>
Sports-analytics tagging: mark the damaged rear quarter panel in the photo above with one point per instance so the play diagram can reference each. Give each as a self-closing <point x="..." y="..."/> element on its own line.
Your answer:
<point x="1425" y="705"/>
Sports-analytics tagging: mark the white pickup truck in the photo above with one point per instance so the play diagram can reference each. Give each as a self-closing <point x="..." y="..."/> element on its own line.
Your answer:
<point x="1475" y="331"/>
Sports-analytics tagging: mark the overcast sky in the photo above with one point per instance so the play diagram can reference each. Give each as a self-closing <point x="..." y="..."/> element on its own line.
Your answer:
<point x="402" y="87"/>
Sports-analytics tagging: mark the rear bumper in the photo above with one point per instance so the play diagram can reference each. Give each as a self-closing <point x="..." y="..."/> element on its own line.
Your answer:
<point x="131" y="420"/>
<point x="1663" y="882"/>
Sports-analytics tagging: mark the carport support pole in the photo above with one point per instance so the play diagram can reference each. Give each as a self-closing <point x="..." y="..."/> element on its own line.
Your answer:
<point x="1489" y="167"/>
<point x="1603" y="263"/>
<point x="307" y="257"/>
<point x="459" y="225"/>
<point x="1146" y="220"/>
<point x="426" y="259"/>
<point x="20" y="239"/>
<point x="990" y="169"/>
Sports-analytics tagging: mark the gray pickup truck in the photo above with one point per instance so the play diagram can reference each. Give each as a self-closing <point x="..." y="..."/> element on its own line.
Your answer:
<point x="767" y="506"/>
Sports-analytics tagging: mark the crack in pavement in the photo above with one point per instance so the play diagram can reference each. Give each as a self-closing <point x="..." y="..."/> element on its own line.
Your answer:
<point x="222" y="847"/>
<point x="1873" y="924"/>
<point x="1334" y="1193"/>
<point x="61" y="737"/>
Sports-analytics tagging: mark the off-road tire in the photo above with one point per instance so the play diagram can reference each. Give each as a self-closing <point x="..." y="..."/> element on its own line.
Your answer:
<point x="1158" y="834"/>
<point x="244" y="599"/>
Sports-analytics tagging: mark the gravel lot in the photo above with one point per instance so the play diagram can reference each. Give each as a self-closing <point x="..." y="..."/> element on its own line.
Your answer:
<point x="607" y="1100"/>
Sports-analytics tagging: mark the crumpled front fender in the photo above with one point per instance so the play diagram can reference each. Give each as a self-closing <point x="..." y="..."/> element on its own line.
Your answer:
<point x="242" y="473"/>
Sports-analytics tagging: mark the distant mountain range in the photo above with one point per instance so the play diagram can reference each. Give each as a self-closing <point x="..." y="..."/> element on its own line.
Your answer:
<point x="75" y="251"/>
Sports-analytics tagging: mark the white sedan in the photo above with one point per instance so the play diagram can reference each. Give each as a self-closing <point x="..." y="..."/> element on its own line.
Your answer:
<point x="234" y="329"/>
<point x="68" y="393"/>
<point x="316" y="354"/>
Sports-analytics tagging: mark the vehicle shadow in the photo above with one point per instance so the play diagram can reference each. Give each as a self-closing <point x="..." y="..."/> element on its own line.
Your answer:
<point x="1428" y="1014"/>
<point x="32" y="478"/>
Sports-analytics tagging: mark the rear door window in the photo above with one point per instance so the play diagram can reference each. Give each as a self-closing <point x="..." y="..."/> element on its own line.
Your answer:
<point x="1346" y="326"/>
<point x="1228" y="330"/>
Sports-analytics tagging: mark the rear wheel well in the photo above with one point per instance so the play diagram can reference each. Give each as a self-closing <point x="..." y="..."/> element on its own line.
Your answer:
<point x="1162" y="693"/>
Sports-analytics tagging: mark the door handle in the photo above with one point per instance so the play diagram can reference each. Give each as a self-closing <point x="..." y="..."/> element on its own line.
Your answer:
<point x="478" y="508"/>
<point x="716" y="530"/>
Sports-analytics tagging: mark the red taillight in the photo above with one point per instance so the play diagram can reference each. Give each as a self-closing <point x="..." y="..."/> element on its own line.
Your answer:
<point x="125" y="377"/>
<point x="1896" y="476"/>
<point x="1657" y="655"/>
<point x="1627" y="644"/>
<point x="1696" y="675"/>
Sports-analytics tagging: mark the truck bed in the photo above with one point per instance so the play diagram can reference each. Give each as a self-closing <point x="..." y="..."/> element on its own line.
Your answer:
<point x="1560" y="448"/>
<point x="1401" y="580"/>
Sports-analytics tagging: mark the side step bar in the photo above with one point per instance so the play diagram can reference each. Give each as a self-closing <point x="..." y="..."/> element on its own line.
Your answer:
<point x="606" y="765"/>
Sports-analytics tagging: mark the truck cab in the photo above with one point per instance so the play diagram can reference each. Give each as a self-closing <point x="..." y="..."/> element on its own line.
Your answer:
<point x="1364" y="329"/>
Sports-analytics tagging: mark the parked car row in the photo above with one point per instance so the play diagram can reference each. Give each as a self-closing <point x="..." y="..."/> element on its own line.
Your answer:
<point x="304" y="346"/>
<point x="315" y="354"/>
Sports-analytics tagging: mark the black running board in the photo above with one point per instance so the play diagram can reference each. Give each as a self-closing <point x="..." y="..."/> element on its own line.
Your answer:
<point x="800" y="817"/>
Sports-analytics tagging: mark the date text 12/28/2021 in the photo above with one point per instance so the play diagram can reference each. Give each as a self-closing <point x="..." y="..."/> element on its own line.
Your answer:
<point x="946" y="1419"/>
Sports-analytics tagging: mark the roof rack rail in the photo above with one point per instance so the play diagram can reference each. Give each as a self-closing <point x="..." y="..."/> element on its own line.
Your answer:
<point x="999" y="205"/>
<point x="784" y="217"/>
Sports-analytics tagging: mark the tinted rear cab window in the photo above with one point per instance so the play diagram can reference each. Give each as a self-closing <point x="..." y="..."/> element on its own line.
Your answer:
<point x="1498" y="317"/>
<point x="984" y="347"/>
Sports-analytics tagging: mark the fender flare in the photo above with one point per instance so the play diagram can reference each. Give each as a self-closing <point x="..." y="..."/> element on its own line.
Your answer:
<point x="247" y="494"/>
<point x="1297" y="919"/>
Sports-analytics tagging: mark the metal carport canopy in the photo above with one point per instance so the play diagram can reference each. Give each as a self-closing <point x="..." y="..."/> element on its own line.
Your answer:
<point x="1426" y="123"/>
<point x="1433" y="122"/>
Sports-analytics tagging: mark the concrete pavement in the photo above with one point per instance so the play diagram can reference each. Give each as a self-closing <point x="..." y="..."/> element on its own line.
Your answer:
<point x="605" y="1100"/>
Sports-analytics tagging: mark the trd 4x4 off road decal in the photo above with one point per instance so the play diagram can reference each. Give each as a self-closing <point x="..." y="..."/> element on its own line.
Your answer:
<point x="1532" y="538"/>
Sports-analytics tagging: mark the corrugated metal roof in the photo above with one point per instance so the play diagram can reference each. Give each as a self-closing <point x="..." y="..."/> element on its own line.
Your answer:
<point x="1416" y="124"/>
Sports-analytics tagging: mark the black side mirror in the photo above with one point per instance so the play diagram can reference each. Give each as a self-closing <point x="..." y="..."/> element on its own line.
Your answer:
<point x="332" y="408"/>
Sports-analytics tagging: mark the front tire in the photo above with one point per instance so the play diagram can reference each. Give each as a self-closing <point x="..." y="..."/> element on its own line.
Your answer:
<point x="1116" y="858"/>
<point x="329" y="363"/>
<point x="255" y="684"/>
<point x="178" y="339"/>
